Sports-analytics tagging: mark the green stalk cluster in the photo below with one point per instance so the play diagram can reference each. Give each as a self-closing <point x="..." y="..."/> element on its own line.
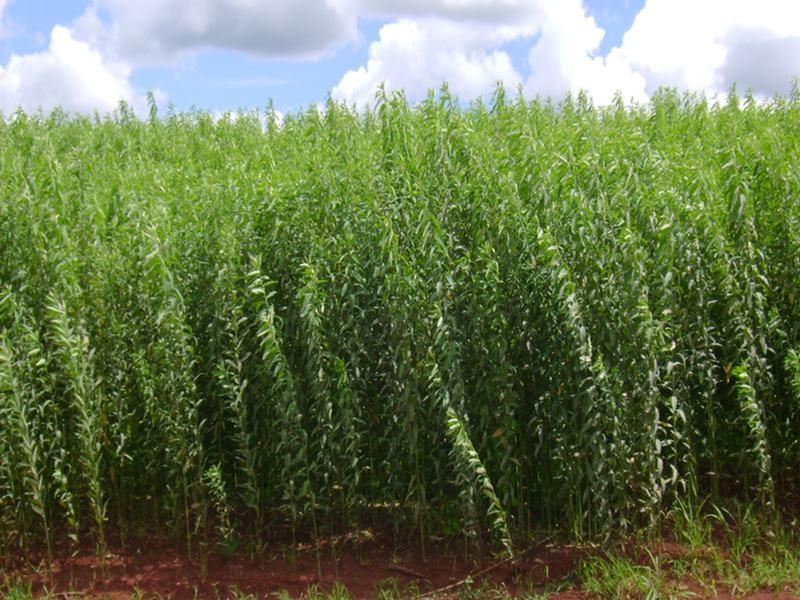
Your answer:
<point x="481" y="320"/>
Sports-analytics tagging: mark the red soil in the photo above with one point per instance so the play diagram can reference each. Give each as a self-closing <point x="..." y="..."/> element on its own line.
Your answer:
<point x="152" y="565"/>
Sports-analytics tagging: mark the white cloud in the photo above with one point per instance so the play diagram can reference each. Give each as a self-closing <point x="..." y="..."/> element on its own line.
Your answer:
<point x="483" y="11"/>
<point x="707" y="45"/>
<point x="760" y="60"/>
<point x="153" y="31"/>
<point x="701" y="45"/>
<point x="698" y="45"/>
<point x="68" y="74"/>
<point x="561" y="61"/>
<point x="418" y="54"/>
<point x="159" y="31"/>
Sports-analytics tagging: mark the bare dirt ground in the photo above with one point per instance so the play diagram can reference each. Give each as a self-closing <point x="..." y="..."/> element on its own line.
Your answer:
<point x="365" y="564"/>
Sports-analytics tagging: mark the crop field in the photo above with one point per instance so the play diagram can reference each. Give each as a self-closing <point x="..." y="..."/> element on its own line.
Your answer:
<point x="477" y="323"/>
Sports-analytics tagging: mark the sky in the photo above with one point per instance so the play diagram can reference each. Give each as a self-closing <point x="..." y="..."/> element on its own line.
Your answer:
<point x="218" y="55"/>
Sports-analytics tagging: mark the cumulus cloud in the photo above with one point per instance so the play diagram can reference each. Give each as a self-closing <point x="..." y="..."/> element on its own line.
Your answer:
<point x="761" y="60"/>
<point x="483" y="11"/>
<point x="701" y="45"/>
<point x="707" y="46"/>
<point x="562" y="59"/>
<point x="154" y="31"/>
<point x="68" y="74"/>
<point x="151" y="31"/>
<point x="418" y="54"/>
<point x="158" y="31"/>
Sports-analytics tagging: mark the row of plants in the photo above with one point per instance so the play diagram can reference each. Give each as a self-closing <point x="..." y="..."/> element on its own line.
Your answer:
<point x="509" y="316"/>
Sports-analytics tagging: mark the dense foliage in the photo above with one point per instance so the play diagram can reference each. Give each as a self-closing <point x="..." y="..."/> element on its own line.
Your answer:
<point x="507" y="317"/>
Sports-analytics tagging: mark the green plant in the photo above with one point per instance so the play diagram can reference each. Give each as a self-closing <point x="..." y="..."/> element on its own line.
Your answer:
<point x="618" y="577"/>
<point x="482" y="319"/>
<point x="219" y="497"/>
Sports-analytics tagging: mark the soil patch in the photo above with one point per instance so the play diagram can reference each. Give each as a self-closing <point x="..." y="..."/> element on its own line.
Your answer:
<point x="364" y="564"/>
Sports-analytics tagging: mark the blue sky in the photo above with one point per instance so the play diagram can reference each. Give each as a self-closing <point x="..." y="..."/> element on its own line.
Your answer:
<point x="223" y="54"/>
